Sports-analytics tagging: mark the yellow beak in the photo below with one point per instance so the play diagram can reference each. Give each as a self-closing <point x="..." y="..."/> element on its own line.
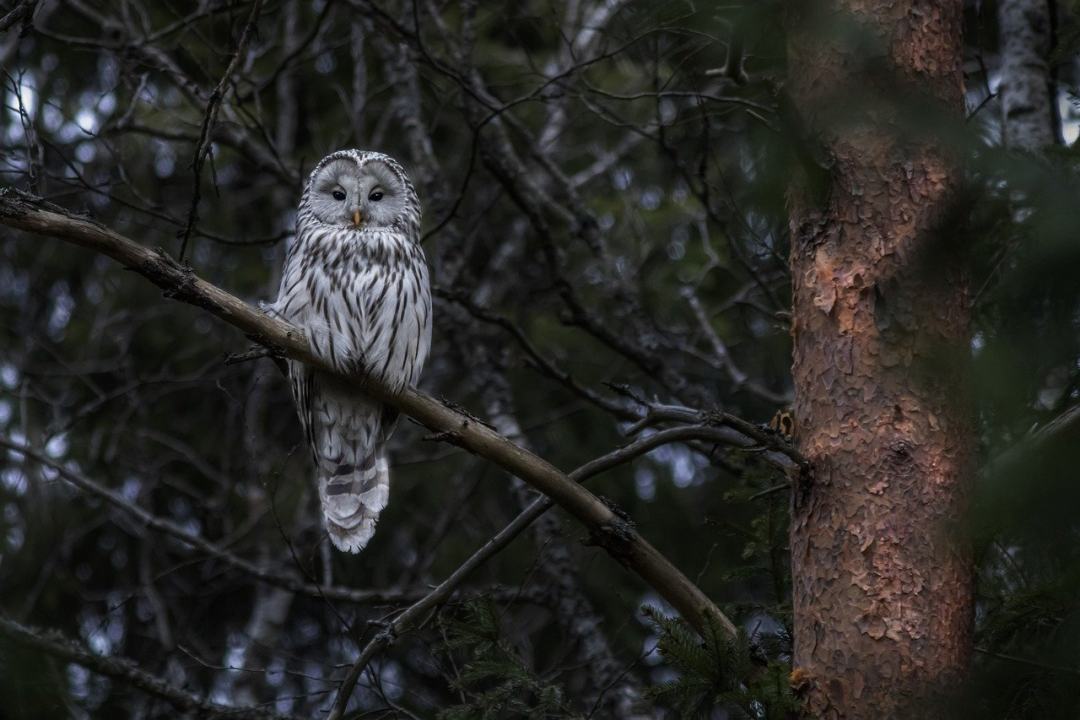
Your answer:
<point x="357" y="218"/>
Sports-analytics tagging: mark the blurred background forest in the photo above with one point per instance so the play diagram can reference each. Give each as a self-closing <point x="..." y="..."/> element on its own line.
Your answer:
<point x="604" y="192"/>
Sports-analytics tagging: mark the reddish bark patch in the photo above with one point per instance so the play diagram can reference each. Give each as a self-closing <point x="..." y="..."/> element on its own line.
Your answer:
<point x="882" y="587"/>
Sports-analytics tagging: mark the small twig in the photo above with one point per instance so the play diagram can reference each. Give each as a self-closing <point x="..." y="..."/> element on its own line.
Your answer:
<point x="167" y="527"/>
<point x="1027" y="661"/>
<point x="533" y="354"/>
<point x="213" y="105"/>
<point x="415" y="614"/>
<point x="769" y="491"/>
<point x="739" y="379"/>
<point x="743" y="434"/>
<point x="59" y="645"/>
<point x="254" y="353"/>
<point x="637" y="554"/>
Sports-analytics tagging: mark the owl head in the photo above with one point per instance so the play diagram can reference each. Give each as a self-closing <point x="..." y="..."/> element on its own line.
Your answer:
<point x="362" y="190"/>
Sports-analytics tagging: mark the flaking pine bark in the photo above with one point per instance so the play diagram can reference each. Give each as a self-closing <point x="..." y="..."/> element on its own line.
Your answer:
<point x="882" y="586"/>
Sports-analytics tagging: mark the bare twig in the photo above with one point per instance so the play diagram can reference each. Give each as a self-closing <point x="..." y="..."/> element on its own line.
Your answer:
<point x="58" y="645"/>
<point x="611" y="531"/>
<point x="738" y="378"/>
<point x="421" y="610"/>
<point x="1027" y="661"/>
<point x="1063" y="428"/>
<point x="159" y="524"/>
<point x="202" y="148"/>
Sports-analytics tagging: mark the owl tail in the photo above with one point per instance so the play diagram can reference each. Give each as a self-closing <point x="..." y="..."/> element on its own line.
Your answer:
<point x="352" y="498"/>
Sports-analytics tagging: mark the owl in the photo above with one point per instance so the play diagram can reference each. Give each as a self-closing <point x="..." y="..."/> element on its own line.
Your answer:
<point x="356" y="281"/>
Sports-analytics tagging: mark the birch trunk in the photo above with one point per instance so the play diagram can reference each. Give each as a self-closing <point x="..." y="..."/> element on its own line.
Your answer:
<point x="1028" y="114"/>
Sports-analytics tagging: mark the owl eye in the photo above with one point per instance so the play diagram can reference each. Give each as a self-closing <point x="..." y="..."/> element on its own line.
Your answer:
<point x="375" y="196"/>
<point x="338" y="195"/>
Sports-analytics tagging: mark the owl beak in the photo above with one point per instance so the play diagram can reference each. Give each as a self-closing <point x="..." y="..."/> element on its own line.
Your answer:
<point x="357" y="218"/>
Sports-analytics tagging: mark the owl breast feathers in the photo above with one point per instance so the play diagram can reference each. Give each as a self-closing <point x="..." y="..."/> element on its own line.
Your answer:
<point x="356" y="281"/>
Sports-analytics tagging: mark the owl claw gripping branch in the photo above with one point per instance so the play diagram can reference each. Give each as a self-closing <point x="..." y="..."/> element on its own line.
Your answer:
<point x="356" y="281"/>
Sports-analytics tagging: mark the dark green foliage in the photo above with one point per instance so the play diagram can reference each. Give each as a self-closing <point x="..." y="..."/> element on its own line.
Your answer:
<point x="130" y="387"/>
<point x="493" y="679"/>
<point x="29" y="683"/>
<point x="718" y="671"/>
<point x="1025" y="376"/>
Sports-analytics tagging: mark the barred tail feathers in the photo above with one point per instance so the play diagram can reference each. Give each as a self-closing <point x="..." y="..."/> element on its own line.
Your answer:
<point x="348" y="444"/>
<point x="352" y="498"/>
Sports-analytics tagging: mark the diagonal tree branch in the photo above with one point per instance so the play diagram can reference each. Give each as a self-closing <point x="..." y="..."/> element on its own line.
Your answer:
<point x="419" y="612"/>
<point x="607" y="527"/>
<point x="22" y="12"/>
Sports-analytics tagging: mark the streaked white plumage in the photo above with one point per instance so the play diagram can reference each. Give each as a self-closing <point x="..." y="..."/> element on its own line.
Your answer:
<point x="360" y="291"/>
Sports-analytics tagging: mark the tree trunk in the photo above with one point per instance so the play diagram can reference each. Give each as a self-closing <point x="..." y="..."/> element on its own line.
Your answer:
<point x="882" y="587"/>
<point x="1028" y="115"/>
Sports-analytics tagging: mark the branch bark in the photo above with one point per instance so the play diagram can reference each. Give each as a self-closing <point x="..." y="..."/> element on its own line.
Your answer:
<point x="418" y="613"/>
<point x="609" y="530"/>
<point x="573" y="608"/>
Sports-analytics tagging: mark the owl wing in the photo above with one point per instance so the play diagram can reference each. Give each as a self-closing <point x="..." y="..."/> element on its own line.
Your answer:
<point x="400" y="334"/>
<point x="343" y="428"/>
<point x="377" y="317"/>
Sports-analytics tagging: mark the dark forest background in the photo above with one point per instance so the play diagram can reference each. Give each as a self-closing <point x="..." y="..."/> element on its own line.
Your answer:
<point x="604" y="193"/>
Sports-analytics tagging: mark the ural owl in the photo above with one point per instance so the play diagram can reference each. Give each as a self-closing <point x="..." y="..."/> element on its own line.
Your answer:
<point x="355" y="280"/>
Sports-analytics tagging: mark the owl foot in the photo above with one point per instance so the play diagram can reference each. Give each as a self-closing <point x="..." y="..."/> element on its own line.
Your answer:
<point x="270" y="308"/>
